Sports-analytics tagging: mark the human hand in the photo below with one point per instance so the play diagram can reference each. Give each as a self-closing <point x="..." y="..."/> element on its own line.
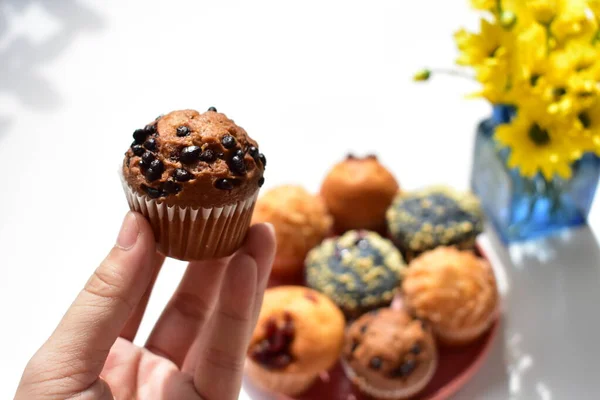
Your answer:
<point x="196" y="349"/>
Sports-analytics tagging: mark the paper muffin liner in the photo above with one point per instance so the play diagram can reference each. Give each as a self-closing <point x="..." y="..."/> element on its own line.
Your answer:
<point x="466" y="335"/>
<point x="397" y="394"/>
<point x="287" y="383"/>
<point x="188" y="233"/>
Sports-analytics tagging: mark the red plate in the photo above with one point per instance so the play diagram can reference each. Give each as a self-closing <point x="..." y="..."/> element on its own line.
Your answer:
<point x="457" y="366"/>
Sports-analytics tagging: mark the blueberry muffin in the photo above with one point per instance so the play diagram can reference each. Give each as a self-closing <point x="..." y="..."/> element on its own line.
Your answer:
<point x="196" y="178"/>
<point x="357" y="192"/>
<point x="301" y="222"/>
<point x="359" y="271"/>
<point x="455" y="291"/>
<point x="389" y="355"/>
<point x="437" y="216"/>
<point x="299" y="334"/>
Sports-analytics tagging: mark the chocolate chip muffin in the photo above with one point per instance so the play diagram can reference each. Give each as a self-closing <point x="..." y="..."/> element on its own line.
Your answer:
<point x="357" y="192"/>
<point x="359" y="271"/>
<point x="299" y="334"/>
<point x="196" y="178"/>
<point x="301" y="222"/>
<point x="455" y="291"/>
<point x="436" y="216"/>
<point x="389" y="355"/>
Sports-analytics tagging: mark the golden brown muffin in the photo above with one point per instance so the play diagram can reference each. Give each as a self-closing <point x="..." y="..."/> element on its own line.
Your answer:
<point x="195" y="177"/>
<point x="300" y="220"/>
<point x="357" y="192"/>
<point x="389" y="354"/>
<point x="455" y="291"/>
<point x="299" y="334"/>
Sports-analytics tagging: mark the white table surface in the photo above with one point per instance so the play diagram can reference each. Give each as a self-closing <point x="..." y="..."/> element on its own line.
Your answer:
<point x="310" y="81"/>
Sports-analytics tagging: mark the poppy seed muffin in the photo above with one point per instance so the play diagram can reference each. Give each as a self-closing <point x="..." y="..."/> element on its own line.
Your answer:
<point x="195" y="177"/>
<point x="359" y="271"/>
<point x="389" y="355"/>
<point x="436" y="216"/>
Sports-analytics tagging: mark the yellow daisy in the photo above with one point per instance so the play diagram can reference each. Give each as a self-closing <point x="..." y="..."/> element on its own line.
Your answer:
<point x="485" y="5"/>
<point x="495" y="81"/>
<point x="573" y="20"/>
<point x="543" y="11"/>
<point x="587" y="128"/>
<point x="489" y="45"/>
<point x="538" y="144"/>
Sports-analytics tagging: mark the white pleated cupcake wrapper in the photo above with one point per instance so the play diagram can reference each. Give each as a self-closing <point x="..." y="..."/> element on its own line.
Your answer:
<point x="388" y="394"/>
<point x="191" y="233"/>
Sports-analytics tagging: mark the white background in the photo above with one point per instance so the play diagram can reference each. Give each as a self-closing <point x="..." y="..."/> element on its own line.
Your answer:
<point x="310" y="81"/>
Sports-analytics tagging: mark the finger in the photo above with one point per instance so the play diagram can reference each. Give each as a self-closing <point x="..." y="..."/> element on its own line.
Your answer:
<point x="187" y="311"/>
<point x="133" y="324"/>
<point x="83" y="339"/>
<point x="218" y="373"/>
<point x="259" y="244"/>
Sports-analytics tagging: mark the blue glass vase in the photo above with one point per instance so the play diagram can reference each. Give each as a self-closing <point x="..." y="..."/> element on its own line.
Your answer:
<point x="525" y="208"/>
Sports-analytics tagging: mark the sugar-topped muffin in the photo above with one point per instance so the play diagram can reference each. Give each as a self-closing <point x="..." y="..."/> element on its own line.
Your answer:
<point x="359" y="271"/>
<point x="455" y="291"/>
<point x="301" y="222"/>
<point x="436" y="216"/>
<point x="195" y="176"/>
<point x="299" y="334"/>
<point x="389" y="354"/>
<point x="357" y="192"/>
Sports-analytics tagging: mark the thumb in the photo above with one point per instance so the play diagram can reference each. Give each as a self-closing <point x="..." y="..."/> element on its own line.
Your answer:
<point x="76" y="351"/>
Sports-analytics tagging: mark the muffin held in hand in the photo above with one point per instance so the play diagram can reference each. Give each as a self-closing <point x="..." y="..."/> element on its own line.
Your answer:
<point x="357" y="192"/>
<point x="389" y="355"/>
<point x="299" y="334"/>
<point x="437" y="216"/>
<point x="455" y="291"/>
<point x="359" y="271"/>
<point x="300" y="220"/>
<point x="195" y="177"/>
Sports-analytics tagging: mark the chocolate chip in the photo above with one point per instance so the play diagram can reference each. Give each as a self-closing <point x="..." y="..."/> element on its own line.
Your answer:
<point x="155" y="170"/>
<point x="151" y="129"/>
<point x="159" y="117"/>
<point x="416" y="349"/>
<point x="140" y="135"/>
<point x="263" y="159"/>
<point x="261" y="181"/>
<point x="212" y="109"/>
<point x="224" y="184"/>
<point x="228" y="141"/>
<point x="147" y="158"/>
<point x="253" y="151"/>
<point x="238" y="165"/>
<point x="181" y="175"/>
<point x="240" y="153"/>
<point x="152" y="192"/>
<point x="150" y="144"/>
<point x="363" y="328"/>
<point x="220" y="155"/>
<point x="407" y="368"/>
<point x="354" y="346"/>
<point x="183" y="131"/>
<point x="137" y="149"/>
<point x="208" y="156"/>
<point x="375" y="363"/>
<point x="171" y="187"/>
<point x="190" y="154"/>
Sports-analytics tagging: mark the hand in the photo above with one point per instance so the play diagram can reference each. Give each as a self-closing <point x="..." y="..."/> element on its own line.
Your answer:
<point x="196" y="349"/>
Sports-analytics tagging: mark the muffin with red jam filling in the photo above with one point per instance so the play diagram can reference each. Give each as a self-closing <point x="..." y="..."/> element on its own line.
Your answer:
<point x="195" y="177"/>
<point x="389" y="355"/>
<point x="299" y="334"/>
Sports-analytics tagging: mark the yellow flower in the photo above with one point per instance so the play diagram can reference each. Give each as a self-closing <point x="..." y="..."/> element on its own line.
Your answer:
<point x="478" y="48"/>
<point x="422" y="75"/>
<point x="485" y="5"/>
<point x="495" y="82"/>
<point x="543" y="11"/>
<point x="573" y="21"/>
<point x="594" y="6"/>
<point x="587" y="128"/>
<point x="538" y="143"/>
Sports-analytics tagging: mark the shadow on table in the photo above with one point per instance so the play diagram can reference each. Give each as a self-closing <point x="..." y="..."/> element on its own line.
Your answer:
<point x="22" y="59"/>
<point x="549" y="349"/>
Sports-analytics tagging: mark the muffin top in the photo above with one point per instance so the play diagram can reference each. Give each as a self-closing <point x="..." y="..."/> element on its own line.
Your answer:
<point x="359" y="270"/>
<point x="436" y="216"/>
<point x="194" y="160"/>
<point x="357" y="191"/>
<point x="300" y="219"/>
<point x="452" y="289"/>
<point x="299" y="331"/>
<point x="390" y="349"/>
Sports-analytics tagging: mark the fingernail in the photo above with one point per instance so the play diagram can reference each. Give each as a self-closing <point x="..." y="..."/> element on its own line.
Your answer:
<point x="129" y="233"/>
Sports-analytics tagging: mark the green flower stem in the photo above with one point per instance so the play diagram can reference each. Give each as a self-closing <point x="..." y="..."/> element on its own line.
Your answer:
<point x="452" y="72"/>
